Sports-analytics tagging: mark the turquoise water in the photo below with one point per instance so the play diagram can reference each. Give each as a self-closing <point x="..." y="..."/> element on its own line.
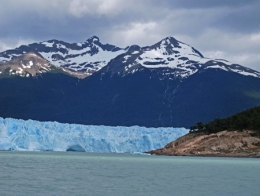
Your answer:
<point x="64" y="173"/>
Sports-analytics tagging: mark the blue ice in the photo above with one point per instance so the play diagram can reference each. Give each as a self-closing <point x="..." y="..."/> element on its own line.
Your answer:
<point x="53" y="136"/>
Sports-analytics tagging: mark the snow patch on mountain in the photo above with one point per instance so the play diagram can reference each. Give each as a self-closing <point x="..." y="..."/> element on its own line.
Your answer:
<point x="48" y="44"/>
<point x="217" y="67"/>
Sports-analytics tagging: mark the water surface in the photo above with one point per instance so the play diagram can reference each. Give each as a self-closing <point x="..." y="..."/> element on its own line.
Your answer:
<point x="68" y="173"/>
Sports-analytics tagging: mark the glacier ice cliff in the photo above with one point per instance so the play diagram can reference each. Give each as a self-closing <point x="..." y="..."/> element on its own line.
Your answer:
<point x="53" y="136"/>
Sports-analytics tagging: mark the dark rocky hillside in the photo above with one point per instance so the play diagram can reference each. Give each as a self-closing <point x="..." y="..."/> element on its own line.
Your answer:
<point x="140" y="99"/>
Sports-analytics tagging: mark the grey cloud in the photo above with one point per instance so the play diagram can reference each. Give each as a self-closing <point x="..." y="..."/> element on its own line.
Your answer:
<point x="209" y="26"/>
<point x="189" y="4"/>
<point x="244" y="20"/>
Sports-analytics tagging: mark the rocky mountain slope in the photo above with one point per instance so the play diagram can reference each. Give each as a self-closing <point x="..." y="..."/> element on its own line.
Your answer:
<point x="28" y="64"/>
<point x="166" y="84"/>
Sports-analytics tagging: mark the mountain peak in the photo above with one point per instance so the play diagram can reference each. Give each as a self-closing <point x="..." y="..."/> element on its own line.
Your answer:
<point x="93" y="39"/>
<point x="170" y="40"/>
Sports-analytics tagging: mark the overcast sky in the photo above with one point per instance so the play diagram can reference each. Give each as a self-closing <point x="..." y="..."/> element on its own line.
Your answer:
<point x="226" y="29"/>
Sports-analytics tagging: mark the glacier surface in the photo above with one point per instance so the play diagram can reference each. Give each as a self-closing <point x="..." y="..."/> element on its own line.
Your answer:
<point x="53" y="136"/>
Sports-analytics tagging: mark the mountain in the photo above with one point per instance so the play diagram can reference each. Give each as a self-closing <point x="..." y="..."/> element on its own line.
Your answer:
<point x="80" y="59"/>
<point x="177" y="59"/>
<point x="166" y="84"/>
<point x="173" y="58"/>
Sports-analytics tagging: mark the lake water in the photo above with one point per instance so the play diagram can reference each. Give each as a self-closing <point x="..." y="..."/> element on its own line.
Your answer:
<point x="64" y="173"/>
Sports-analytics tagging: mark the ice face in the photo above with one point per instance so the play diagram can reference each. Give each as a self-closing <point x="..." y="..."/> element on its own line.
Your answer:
<point x="53" y="136"/>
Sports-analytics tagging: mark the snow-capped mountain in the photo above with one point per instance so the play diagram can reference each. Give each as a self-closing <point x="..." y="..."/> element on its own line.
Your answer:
<point x="166" y="84"/>
<point x="172" y="57"/>
<point x="80" y="59"/>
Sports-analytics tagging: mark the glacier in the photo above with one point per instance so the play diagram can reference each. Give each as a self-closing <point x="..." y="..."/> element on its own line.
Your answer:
<point x="31" y="135"/>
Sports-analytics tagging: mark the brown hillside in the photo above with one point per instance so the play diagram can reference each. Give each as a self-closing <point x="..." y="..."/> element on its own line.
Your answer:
<point x="224" y="143"/>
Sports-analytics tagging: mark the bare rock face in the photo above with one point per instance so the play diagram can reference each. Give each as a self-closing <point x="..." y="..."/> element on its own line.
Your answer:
<point x="224" y="143"/>
<point x="26" y="65"/>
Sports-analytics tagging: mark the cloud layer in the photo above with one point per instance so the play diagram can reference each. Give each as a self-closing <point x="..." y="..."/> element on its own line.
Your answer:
<point x="219" y="29"/>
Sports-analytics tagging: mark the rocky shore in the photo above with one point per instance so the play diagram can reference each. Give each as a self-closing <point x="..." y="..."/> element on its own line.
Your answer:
<point x="224" y="143"/>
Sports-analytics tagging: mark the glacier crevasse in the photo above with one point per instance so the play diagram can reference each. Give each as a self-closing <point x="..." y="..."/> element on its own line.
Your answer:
<point x="53" y="136"/>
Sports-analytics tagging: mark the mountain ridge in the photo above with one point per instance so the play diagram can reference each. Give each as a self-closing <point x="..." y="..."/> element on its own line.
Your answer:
<point x="85" y="58"/>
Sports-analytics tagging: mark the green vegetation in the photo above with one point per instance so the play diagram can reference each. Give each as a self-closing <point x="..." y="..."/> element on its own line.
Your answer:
<point x="247" y="120"/>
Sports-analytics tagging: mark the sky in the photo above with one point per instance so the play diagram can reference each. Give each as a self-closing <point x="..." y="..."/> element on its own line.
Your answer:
<point x="225" y="29"/>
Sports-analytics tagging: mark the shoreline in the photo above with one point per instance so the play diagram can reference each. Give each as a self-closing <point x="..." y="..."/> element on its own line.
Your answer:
<point x="153" y="153"/>
<point x="206" y="155"/>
